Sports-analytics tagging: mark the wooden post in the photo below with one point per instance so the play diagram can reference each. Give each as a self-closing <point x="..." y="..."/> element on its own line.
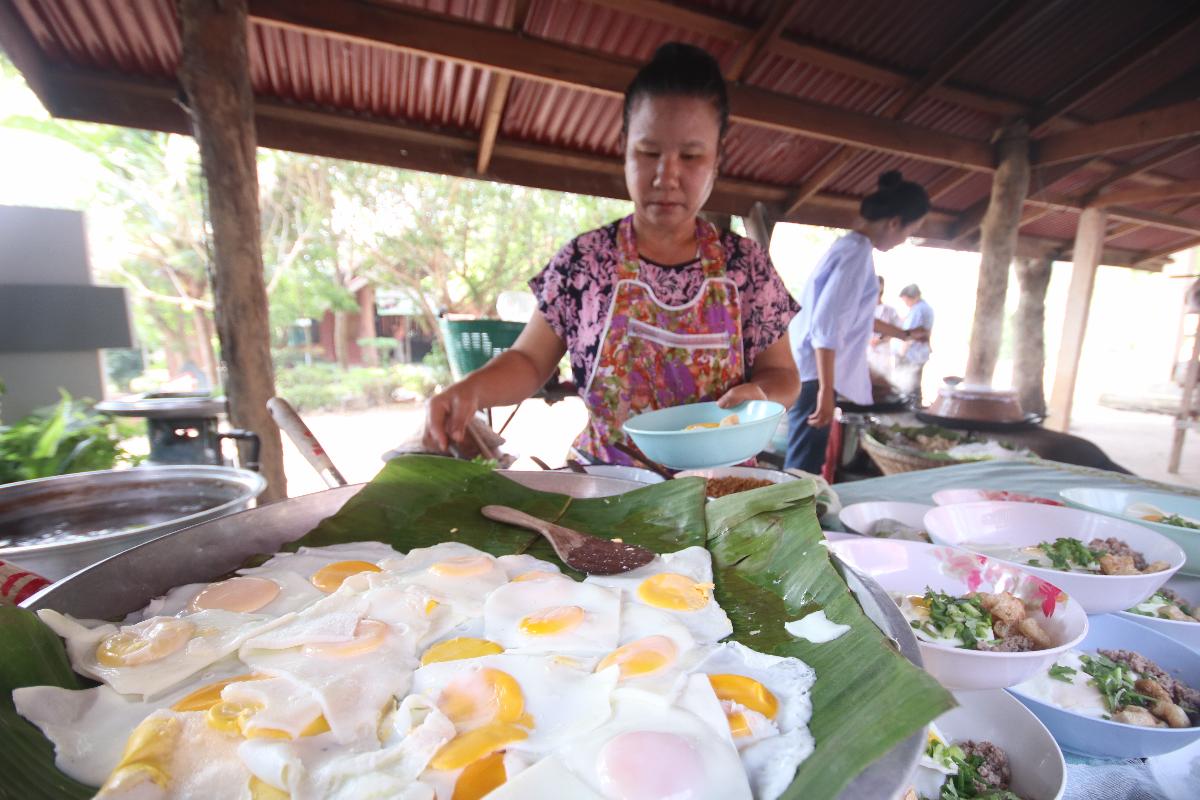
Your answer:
<point x="1029" y="362"/>
<point x="1089" y="242"/>
<point x="998" y="244"/>
<point x="215" y="76"/>
<point x="1184" y="420"/>
<point x="760" y="225"/>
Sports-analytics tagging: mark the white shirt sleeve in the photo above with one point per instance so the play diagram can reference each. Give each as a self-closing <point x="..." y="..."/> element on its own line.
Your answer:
<point x="835" y="305"/>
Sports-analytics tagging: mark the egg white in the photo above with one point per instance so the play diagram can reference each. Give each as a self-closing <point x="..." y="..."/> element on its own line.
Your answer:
<point x="295" y="592"/>
<point x="714" y="773"/>
<point x="307" y="560"/>
<point x="597" y="634"/>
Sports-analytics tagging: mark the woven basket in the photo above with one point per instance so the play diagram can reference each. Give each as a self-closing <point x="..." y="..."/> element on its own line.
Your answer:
<point x="894" y="460"/>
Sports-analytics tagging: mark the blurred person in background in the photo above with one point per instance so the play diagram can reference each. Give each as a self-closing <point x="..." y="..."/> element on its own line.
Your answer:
<point x="912" y="354"/>
<point x="879" y="355"/>
<point x="831" y="333"/>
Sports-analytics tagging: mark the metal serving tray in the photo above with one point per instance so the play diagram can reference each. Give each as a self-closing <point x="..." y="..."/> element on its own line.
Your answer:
<point x="128" y="581"/>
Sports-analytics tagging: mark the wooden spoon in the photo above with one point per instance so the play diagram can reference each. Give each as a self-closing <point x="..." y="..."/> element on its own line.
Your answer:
<point x="638" y="455"/>
<point x="584" y="552"/>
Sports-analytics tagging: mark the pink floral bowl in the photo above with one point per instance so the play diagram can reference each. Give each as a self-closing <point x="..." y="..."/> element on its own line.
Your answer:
<point x="908" y="568"/>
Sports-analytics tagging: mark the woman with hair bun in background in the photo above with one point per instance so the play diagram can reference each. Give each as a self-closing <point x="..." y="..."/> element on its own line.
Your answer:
<point x="830" y="335"/>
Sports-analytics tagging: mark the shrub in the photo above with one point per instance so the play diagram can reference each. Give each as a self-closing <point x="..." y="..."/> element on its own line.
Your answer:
<point x="64" y="438"/>
<point x="326" y="387"/>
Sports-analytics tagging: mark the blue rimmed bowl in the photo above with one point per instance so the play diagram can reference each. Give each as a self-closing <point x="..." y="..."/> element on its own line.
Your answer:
<point x="1100" y="738"/>
<point x="1116" y="503"/>
<point x="661" y="436"/>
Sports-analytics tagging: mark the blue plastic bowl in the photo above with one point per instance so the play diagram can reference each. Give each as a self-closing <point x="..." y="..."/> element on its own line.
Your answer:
<point x="1114" y="502"/>
<point x="661" y="436"/>
<point x="1100" y="738"/>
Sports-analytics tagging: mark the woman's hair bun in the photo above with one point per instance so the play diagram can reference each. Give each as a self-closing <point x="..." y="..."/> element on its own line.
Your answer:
<point x="895" y="197"/>
<point x="891" y="179"/>
<point x="680" y="69"/>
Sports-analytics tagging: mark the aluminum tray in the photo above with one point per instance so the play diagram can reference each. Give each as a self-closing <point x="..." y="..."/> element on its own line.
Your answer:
<point x="129" y="580"/>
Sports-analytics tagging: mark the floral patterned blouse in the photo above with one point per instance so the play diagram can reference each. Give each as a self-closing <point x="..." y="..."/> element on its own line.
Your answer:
<point x="575" y="290"/>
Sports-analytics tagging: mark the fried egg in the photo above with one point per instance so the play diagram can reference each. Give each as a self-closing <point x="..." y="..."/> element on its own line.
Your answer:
<point x="648" y="751"/>
<point x="172" y="755"/>
<point x="457" y="577"/>
<point x="526" y="567"/>
<point x="548" y="779"/>
<point x="767" y="703"/>
<point x="553" y="615"/>
<point x="156" y="654"/>
<point x="680" y="584"/>
<point x="386" y="766"/>
<point x="549" y="697"/>
<point x="272" y="593"/>
<point x="308" y="561"/>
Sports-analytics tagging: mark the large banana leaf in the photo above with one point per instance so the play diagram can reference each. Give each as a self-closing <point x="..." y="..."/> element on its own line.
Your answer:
<point x="770" y="567"/>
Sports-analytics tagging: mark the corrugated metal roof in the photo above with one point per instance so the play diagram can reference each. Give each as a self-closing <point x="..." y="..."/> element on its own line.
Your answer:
<point x="1053" y="47"/>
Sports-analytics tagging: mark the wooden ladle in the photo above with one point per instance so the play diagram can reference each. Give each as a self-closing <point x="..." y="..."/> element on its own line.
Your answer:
<point x="584" y="552"/>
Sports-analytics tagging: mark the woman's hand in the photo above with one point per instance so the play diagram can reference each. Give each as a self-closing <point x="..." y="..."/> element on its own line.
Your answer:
<point x="741" y="394"/>
<point x="447" y="415"/>
<point x="823" y="416"/>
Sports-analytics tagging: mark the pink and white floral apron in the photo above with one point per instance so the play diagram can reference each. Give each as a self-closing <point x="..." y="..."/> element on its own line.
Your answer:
<point x="656" y="356"/>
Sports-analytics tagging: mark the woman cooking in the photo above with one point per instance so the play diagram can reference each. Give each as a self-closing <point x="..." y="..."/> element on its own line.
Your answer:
<point x="657" y="309"/>
<point x="830" y="335"/>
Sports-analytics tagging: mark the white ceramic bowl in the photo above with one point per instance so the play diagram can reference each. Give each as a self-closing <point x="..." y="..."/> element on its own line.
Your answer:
<point x="973" y="526"/>
<point x="859" y="517"/>
<point x="755" y="473"/>
<point x="1188" y="633"/>
<point x="1038" y="770"/>
<point x="620" y="471"/>
<point x="909" y="567"/>
<point x="950" y="497"/>
<point x="1116" y="502"/>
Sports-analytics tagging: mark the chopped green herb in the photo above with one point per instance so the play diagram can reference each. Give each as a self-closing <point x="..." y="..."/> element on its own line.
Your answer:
<point x="1115" y="682"/>
<point x="1064" y="674"/>
<point x="968" y="785"/>
<point x="1035" y="562"/>
<point x="962" y="618"/>
<point x="1065" y="552"/>
<point x="1179" y="522"/>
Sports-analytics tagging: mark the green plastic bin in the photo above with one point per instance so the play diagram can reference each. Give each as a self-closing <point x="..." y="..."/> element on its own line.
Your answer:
<point x="471" y="343"/>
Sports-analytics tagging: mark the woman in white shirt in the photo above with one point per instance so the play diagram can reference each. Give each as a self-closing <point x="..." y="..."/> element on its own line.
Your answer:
<point x="830" y="334"/>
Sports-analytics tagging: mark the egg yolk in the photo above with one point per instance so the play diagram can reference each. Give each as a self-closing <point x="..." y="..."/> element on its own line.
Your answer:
<point x="243" y="594"/>
<point x="369" y="634"/>
<point x="739" y="726"/>
<point x="474" y="745"/>
<point x="480" y="777"/>
<point x="642" y="657"/>
<point x="645" y="765"/>
<point x="536" y="575"/>
<point x="208" y="696"/>
<point x="329" y="577"/>
<point x="430" y="605"/>
<point x="463" y="567"/>
<point x="459" y="648"/>
<point x="261" y="790"/>
<point x="233" y="717"/>
<point x="484" y="696"/>
<point x="552" y="621"/>
<point x="152" y="640"/>
<point x="674" y="592"/>
<point x="146" y="756"/>
<point x="746" y="692"/>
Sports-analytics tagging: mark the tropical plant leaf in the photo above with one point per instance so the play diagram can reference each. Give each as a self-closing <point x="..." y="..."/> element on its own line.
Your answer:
<point x="31" y="655"/>
<point x="770" y="566"/>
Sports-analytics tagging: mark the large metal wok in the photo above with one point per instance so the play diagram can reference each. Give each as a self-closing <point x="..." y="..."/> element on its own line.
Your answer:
<point x="129" y="580"/>
<point x="63" y="524"/>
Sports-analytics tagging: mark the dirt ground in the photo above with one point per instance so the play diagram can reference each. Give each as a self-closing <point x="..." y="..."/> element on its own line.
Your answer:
<point x="356" y="441"/>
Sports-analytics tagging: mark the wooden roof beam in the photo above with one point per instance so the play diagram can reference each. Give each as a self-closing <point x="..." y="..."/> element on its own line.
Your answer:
<point x="1137" y="169"/>
<point x="1148" y="127"/>
<point x="1104" y="72"/>
<point x="18" y="43"/>
<point x="752" y="49"/>
<point x="1165" y="252"/>
<point x="542" y="60"/>
<point x="497" y="99"/>
<point x="990" y="29"/>
<point x="1152" y="194"/>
